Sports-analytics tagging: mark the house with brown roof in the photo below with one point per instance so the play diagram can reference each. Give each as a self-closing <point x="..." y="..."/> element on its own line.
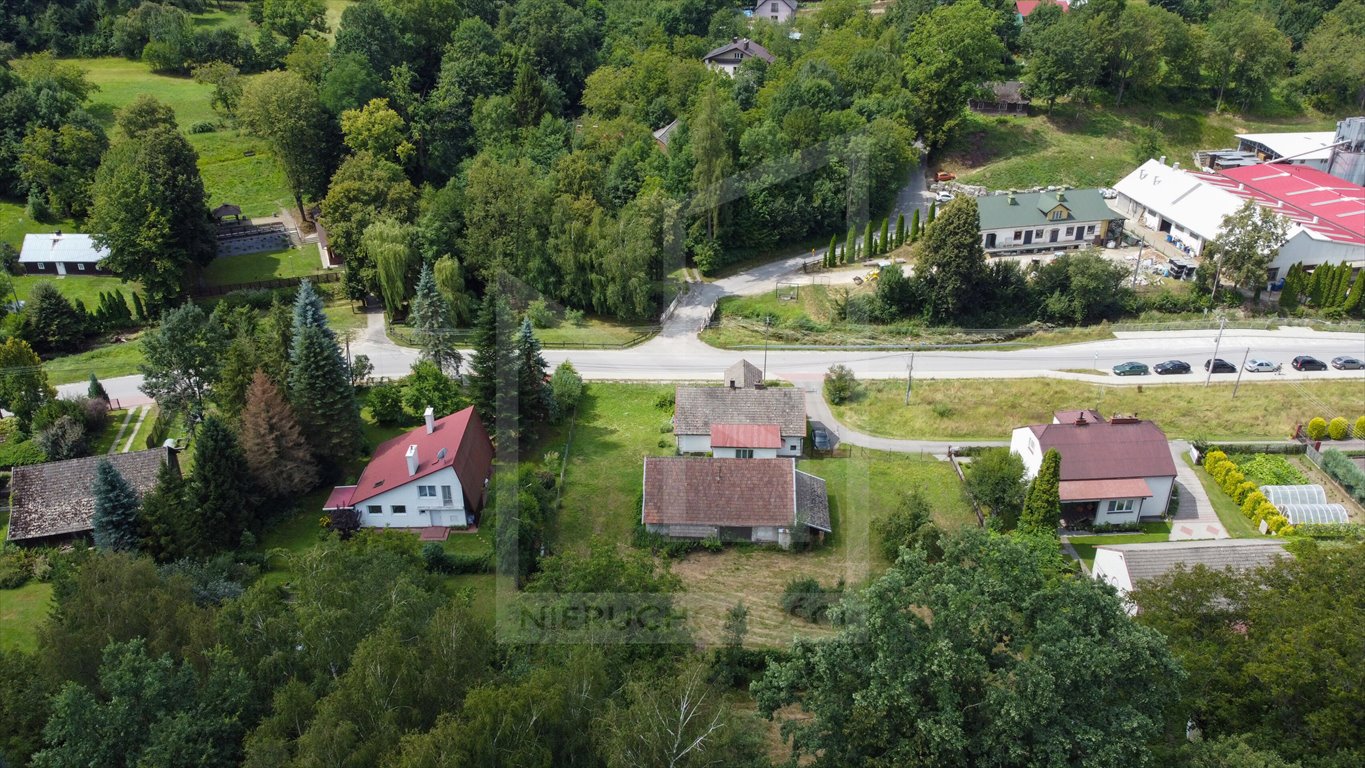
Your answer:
<point x="742" y="419"/>
<point x="433" y="478"/>
<point x="1113" y="472"/>
<point x="728" y="57"/>
<point x="760" y="500"/>
<point x="54" y="502"/>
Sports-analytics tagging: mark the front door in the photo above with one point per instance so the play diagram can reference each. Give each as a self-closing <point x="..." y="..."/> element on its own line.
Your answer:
<point x="990" y="240"/>
<point x="61" y="268"/>
<point x="1028" y="237"/>
<point x="1052" y="236"/>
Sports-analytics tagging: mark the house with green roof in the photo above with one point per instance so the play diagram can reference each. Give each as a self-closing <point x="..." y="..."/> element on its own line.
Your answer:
<point x="1046" y="221"/>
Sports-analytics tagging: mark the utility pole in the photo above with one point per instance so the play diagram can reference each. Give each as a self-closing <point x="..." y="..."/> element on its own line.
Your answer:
<point x="909" y="377"/>
<point x="1141" y="244"/>
<point x="1217" y="267"/>
<point x="1222" y="321"/>
<point x="767" y="324"/>
<point x="1241" y="368"/>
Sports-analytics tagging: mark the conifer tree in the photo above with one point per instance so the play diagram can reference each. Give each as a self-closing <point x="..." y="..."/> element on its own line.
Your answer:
<point x="869" y="247"/>
<point x="1289" y="296"/>
<point x="832" y="255"/>
<point x="914" y="226"/>
<point x="116" y="510"/>
<point x="165" y="529"/>
<point x="320" y="389"/>
<point x="139" y="310"/>
<point x="900" y="230"/>
<point x="273" y="442"/>
<point x="434" y="323"/>
<point x="1043" y="507"/>
<point x="884" y="244"/>
<point x="492" y="371"/>
<point x="95" y="391"/>
<point x="850" y="246"/>
<point x="1355" y="300"/>
<point x="1341" y="285"/>
<point x="933" y="210"/>
<point x="308" y="310"/>
<point x="533" y="397"/>
<point x="221" y="493"/>
<point x="274" y="338"/>
<point x="234" y="378"/>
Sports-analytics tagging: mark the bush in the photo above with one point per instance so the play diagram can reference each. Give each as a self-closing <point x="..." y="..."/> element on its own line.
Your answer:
<point x="910" y="525"/>
<point x="806" y="599"/>
<point x="1244" y="490"/>
<point x="1358" y="431"/>
<point x="1317" y="428"/>
<point x="1345" y="531"/>
<point x="21" y="453"/>
<point x="64" y="439"/>
<point x="14" y="568"/>
<point x="1265" y="512"/>
<point x="1213" y="457"/>
<point x="1338" y="428"/>
<point x="573" y="316"/>
<point x="203" y="127"/>
<point x="437" y="560"/>
<point x="386" y="404"/>
<point x="1346" y="472"/>
<point x="665" y="402"/>
<point x="540" y="314"/>
<point x="1252" y="502"/>
<point x="840" y="385"/>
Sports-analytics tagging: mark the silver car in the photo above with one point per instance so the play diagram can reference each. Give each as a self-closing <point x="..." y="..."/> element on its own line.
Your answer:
<point x="1261" y="366"/>
<point x="1347" y="363"/>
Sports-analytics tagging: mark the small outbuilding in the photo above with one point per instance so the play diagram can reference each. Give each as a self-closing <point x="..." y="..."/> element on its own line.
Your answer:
<point x="1125" y="566"/>
<point x="55" y="253"/>
<point x="54" y="502"/>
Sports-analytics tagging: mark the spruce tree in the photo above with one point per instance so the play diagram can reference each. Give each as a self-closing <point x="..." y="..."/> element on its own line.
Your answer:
<point x="95" y="391"/>
<point x="234" y="378"/>
<point x="434" y="323"/>
<point x="492" y="371"/>
<point x="274" y="338"/>
<point x="221" y="493"/>
<point x="320" y="389"/>
<point x="165" y="528"/>
<point x="914" y="226"/>
<point x="884" y="244"/>
<point x="533" y="397"/>
<point x="1043" y="507"/>
<point x="273" y="442"/>
<point x="308" y="311"/>
<point x="116" y="510"/>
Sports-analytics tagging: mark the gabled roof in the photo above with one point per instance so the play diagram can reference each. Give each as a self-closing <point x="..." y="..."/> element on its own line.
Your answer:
<point x="1149" y="561"/>
<point x="745" y="436"/>
<point x="1185" y="198"/>
<point x="664" y="134"/>
<point x="55" y="246"/>
<point x="1120" y="448"/>
<point x="743" y="48"/>
<point x="458" y="440"/>
<point x="1297" y="145"/>
<point x="1031" y="208"/>
<point x="732" y="492"/>
<point x="1326" y="207"/>
<point x="1096" y="490"/>
<point x="697" y="408"/>
<point x="56" y="498"/>
<point x="1027" y="7"/>
<point x="743" y="374"/>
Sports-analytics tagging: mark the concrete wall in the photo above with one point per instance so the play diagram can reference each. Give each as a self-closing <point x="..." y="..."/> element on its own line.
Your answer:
<point x="1081" y="234"/>
<point x="420" y="511"/>
<point x="694" y="443"/>
<point x="791" y="446"/>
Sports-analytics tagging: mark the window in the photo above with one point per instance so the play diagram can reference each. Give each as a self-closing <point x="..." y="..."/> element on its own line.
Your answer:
<point x="1058" y="215"/>
<point x="399" y="509"/>
<point x="426" y="491"/>
<point x="445" y="495"/>
<point x="81" y="266"/>
<point x="744" y="453"/>
<point x="1018" y="235"/>
<point x="42" y="266"/>
<point x="374" y="509"/>
<point x="1121" y="505"/>
<point x="774" y="8"/>
<point x="1070" y="231"/>
<point x="1090" y="230"/>
<point x="1037" y="233"/>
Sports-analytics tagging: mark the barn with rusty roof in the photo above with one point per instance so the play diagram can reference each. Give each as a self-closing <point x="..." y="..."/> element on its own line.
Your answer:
<point x="55" y="501"/>
<point x="758" y="500"/>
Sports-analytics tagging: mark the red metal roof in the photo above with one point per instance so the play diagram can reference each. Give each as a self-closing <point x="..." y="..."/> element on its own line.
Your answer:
<point x="1094" y="490"/>
<point x="467" y="448"/>
<point x="1026" y="7"/>
<point x="339" y="498"/>
<point x="1109" y="450"/>
<point x="1326" y="206"/>
<point x="745" y="436"/>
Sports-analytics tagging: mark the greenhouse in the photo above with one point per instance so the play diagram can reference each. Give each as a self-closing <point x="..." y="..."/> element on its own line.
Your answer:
<point x="1304" y="504"/>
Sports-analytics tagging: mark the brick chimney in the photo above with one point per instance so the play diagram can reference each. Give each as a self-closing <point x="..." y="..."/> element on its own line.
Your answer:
<point x="411" y="456"/>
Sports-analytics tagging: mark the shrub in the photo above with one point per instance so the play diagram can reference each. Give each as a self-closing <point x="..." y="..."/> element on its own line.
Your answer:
<point x="1213" y="457"/>
<point x="65" y="438"/>
<point x="664" y="402"/>
<point x="540" y="314"/>
<point x="1317" y="428"/>
<point x="573" y="316"/>
<point x="1265" y="512"/>
<point x="1231" y="479"/>
<point x="1347" y="531"/>
<point x="1276" y="523"/>
<point x="1220" y="470"/>
<point x="1244" y="490"/>
<point x="386" y="404"/>
<point x="437" y="560"/>
<point x="840" y="384"/>
<point x="1341" y="469"/>
<point x="203" y="127"/>
<point x="21" y="453"/>
<point x="14" y="568"/>
<point x="1358" y="431"/>
<point x="1251" y="502"/>
<point x="1338" y="428"/>
<point x="806" y="599"/>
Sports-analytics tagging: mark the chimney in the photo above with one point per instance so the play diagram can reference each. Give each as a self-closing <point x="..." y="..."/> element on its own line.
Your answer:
<point x="411" y="456"/>
<point x="1163" y="160"/>
<point x="1080" y="420"/>
<point x="430" y="416"/>
<point x="734" y="39"/>
<point x="1175" y="166"/>
<point x="732" y="383"/>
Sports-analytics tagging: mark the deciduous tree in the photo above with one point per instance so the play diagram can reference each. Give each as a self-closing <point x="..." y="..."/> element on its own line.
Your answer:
<point x="181" y="358"/>
<point x="952" y="262"/>
<point x="1248" y="241"/>
<point x="284" y="109"/>
<point x="995" y="478"/>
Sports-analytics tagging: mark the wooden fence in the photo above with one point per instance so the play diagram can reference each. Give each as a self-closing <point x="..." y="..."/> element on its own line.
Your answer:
<point x="980" y="518"/>
<point x="206" y="291"/>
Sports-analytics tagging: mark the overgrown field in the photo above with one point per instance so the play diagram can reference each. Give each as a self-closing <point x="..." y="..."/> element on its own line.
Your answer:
<point x="954" y="409"/>
<point x="1089" y="146"/>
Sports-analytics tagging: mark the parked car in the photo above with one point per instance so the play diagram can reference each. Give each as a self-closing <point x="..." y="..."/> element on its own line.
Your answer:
<point x="1130" y="368"/>
<point x="821" y="439"/>
<point x="1306" y="363"/>
<point x="1171" y="366"/>
<point x="944" y="176"/>
<point x="944" y="197"/>
<point x="1261" y="366"/>
<point x="1347" y="363"/>
<point x="1220" y="365"/>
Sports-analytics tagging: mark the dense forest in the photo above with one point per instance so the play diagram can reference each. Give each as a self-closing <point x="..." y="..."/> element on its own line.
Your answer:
<point x="516" y="137"/>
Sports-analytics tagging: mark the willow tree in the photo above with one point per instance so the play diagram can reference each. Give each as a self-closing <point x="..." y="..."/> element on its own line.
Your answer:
<point x="390" y="245"/>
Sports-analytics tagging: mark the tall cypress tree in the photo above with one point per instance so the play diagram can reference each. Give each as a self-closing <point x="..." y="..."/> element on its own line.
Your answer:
<point x="1043" y="507"/>
<point x="833" y="253"/>
<point x="1289" y="296"/>
<point x="95" y="390"/>
<point x="884" y="244"/>
<point x="116" y="510"/>
<point x="273" y="442"/>
<point x="914" y="226"/>
<point x="221" y="490"/>
<point x="900" y="230"/>
<point x="434" y="322"/>
<point x="869" y="248"/>
<point x="933" y="210"/>
<point x="320" y="384"/>
<point x="850" y="246"/>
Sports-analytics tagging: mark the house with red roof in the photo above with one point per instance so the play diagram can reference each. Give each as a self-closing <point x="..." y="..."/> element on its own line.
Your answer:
<point x="1024" y="8"/>
<point x="1113" y="472"/>
<point x="744" y="419"/>
<point x="434" y="477"/>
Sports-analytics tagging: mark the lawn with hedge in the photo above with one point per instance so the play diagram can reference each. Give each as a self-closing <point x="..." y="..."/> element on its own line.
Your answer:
<point x="1243" y="491"/>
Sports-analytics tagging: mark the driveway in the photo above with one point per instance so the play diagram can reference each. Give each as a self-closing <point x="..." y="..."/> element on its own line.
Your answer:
<point x="819" y="414"/>
<point x="1196" y="518"/>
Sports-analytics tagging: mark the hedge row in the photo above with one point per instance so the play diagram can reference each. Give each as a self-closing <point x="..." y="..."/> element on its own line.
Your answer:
<point x="1337" y="429"/>
<point x="1346" y="472"/>
<point x="1255" y="506"/>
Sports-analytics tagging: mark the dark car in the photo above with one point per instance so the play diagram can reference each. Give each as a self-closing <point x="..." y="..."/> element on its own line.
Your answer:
<point x="1306" y="363"/>
<point x="1220" y="365"/>
<point x="1130" y="368"/>
<point x="1171" y="366"/>
<point x="822" y="442"/>
<point x="1347" y="363"/>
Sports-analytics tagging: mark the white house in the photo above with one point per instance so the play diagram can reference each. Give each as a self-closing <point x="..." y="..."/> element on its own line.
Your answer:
<point x="728" y="57"/>
<point x="776" y="11"/>
<point x="1045" y="221"/>
<point x="1114" y="472"/>
<point x="743" y="419"/>
<point x="435" y="476"/>
<point x="1125" y="566"/>
<point x="54" y="253"/>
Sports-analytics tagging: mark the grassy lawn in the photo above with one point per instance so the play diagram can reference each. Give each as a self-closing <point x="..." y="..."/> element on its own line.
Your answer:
<point x="21" y="611"/>
<point x="342" y="317"/>
<point x="592" y="332"/>
<point x="1090" y="146"/>
<point x="73" y="287"/>
<point x="105" y="440"/>
<point x="241" y="170"/>
<point x="251" y="267"/>
<point x="105" y="362"/>
<point x="143" y="431"/>
<point x="862" y="487"/>
<point x="121" y="80"/>
<point x="952" y="409"/>
<point x="1229" y="514"/>
<point x="14" y="224"/>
